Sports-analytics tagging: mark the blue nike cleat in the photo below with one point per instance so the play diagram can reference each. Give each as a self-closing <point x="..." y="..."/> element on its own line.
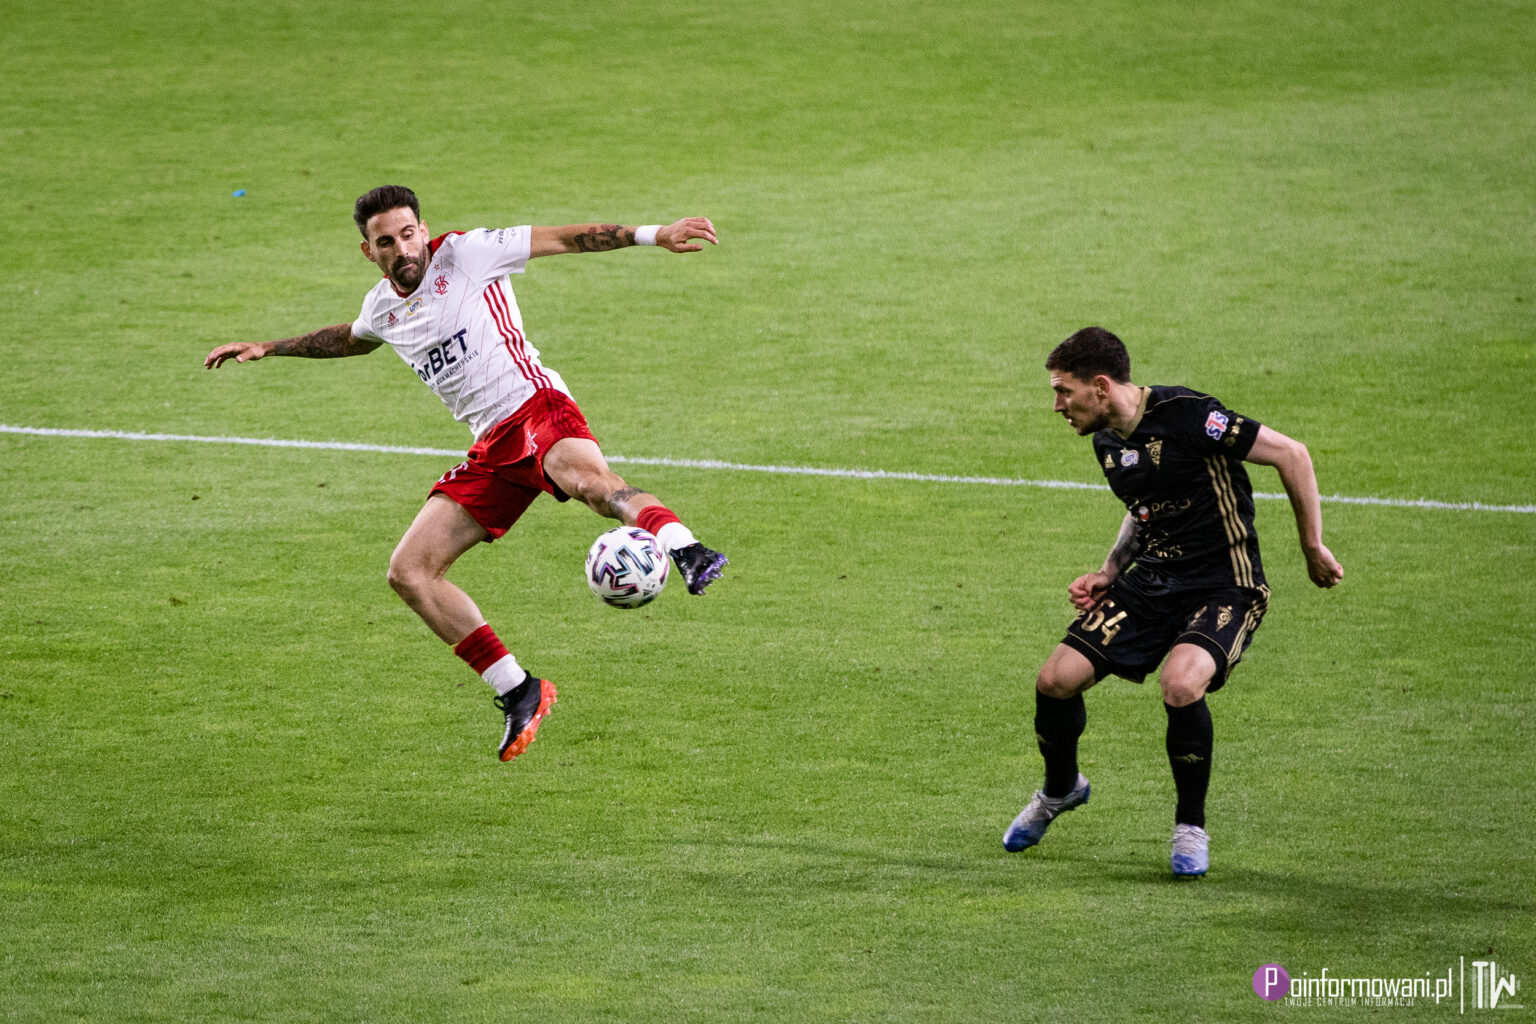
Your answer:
<point x="1029" y="827"/>
<point x="1191" y="851"/>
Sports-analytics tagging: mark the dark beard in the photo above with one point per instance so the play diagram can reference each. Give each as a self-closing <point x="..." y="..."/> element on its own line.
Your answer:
<point x="407" y="276"/>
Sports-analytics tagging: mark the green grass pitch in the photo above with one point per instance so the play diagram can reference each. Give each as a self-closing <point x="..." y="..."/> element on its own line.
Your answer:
<point x="242" y="782"/>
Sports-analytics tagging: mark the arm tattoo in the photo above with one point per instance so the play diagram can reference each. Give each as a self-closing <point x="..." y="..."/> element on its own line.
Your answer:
<point x="1127" y="545"/>
<point x="603" y="237"/>
<point x="326" y="343"/>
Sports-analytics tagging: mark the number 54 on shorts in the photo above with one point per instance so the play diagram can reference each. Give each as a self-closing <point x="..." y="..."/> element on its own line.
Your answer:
<point x="1105" y="618"/>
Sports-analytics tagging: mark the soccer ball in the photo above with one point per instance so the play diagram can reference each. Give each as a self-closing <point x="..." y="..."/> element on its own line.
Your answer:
<point x="626" y="567"/>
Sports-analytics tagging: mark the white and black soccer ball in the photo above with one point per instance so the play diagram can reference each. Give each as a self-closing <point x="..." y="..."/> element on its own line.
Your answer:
<point x="626" y="567"/>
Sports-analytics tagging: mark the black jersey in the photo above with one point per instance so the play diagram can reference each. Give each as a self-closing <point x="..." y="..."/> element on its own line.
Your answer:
<point x="1180" y="473"/>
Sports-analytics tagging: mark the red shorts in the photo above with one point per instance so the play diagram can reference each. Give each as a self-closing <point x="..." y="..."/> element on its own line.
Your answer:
<point x="505" y="468"/>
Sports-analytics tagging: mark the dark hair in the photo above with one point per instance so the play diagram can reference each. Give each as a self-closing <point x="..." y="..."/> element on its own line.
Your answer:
<point x="1090" y="352"/>
<point x="385" y="197"/>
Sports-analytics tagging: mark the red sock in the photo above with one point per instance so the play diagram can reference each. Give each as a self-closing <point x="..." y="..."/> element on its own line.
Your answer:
<point x="653" y="517"/>
<point x="481" y="649"/>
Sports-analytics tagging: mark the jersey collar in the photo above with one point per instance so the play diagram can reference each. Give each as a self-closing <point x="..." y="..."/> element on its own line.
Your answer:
<point x="1141" y="410"/>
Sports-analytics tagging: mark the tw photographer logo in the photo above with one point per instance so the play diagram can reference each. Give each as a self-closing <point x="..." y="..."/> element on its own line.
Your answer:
<point x="1489" y="988"/>
<point x="1498" y="985"/>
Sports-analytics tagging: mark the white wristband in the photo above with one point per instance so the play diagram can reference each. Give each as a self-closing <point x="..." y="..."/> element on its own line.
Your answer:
<point x="647" y="234"/>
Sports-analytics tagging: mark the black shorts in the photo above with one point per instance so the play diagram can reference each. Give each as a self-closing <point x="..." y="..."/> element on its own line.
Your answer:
<point x="1142" y="617"/>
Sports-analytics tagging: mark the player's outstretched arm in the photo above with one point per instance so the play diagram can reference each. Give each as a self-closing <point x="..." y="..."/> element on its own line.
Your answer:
<point x="676" y="237"/>
<point x="1085" y="591"/>
<point x="326" y="343"/>
<point x="1292" y="460"/>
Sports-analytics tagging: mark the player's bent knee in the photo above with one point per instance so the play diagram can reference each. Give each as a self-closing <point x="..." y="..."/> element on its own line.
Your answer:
<point x="399" y="580"/>
<point x="595" y="487"/>
<point x="1185" y="690"/>
<point x="598" y="488"/>
<point x="578" y="468"/>
<point x="1187" y="675"/>
<point x="407" y="577"/>
<point x="1054" y="683"/>
<point x="1066" y="673"/>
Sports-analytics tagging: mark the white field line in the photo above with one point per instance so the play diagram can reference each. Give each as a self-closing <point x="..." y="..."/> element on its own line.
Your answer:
<point x="855" y="474"/>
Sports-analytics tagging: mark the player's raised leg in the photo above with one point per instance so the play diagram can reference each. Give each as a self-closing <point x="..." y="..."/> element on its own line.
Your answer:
<point x="1060" y="717"/>
<point x="578" y="468"/>
<point x="1184" y="679"/>
<point x="442" y="531"/>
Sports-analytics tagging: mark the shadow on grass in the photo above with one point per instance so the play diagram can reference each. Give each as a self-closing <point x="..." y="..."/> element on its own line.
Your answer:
<point x="1310" y="898"/>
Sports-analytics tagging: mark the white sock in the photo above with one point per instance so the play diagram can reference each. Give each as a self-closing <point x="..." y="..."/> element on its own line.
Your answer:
<point x="674" y="536"/>
<point x="505" y="675"/>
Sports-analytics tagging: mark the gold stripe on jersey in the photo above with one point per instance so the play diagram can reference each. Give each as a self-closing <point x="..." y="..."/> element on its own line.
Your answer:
<point x="1250" y="623"/>
<point x="1221" y="502"/>
<point x="1242" y="564"/>
<point x="1231" y="522"/>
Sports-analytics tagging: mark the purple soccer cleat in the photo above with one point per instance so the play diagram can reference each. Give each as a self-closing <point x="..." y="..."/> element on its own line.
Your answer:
<point x="699" y="565"/>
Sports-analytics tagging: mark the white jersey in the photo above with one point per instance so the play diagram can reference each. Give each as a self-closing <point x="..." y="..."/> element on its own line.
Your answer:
<point x="461" y="330"/>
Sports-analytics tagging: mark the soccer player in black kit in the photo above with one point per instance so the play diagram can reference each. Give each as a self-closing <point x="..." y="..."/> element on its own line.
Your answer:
<point x="1183" y="580"/>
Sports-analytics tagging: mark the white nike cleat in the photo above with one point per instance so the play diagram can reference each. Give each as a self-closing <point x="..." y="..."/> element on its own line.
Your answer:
<point x="1191" y="851"/>
<point x="1029" y="827"/>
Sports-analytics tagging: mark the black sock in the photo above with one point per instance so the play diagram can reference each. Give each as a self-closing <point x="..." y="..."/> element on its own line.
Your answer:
<point x="1058" y="724"/>
<point x="1189" y="754"/>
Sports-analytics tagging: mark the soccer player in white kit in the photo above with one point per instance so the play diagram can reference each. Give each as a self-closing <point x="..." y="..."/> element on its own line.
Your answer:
<point x="446" y="307"/>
